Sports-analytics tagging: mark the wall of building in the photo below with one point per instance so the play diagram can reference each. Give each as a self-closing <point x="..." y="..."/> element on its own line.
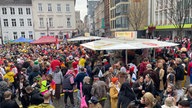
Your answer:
<point x="99" y="18"/>
<point x="118" y="15"/>
<point x="107" y="17"/>
<point x="59" y="21"/>
<point x="9" y="30"/>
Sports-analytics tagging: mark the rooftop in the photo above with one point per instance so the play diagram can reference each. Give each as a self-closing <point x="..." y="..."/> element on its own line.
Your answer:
<point x="15" y="2"/>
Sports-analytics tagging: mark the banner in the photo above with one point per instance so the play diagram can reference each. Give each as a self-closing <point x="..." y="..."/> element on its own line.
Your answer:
<point x="87" y="34"/>
<point x="129" y="35"/>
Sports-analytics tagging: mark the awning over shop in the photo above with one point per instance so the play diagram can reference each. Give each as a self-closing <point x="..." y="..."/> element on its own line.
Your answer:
<point x="22" y="40"/>
<point x="119" y="44"/>
<point x="46" y="40"/>
<point x="84" y="38"/>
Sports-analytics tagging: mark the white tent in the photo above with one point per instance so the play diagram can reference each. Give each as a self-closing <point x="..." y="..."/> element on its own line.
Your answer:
<point x="84" y="38"/>
<point x="118" y="44"/>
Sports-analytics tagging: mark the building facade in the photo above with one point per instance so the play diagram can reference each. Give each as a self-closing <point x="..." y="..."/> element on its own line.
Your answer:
<point x="79" y="23"/>
<point x="91" y="5"/>
<point x="53" y="17"/>
<point x="99" y="19"/>
<point x="119" y="15"/>
<point x="163" y="24"/>
<point x="16" y="19"/>
<point x="107" y="17"/>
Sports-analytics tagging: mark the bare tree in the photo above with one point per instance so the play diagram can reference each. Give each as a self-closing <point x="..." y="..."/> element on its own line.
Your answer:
<point x="137" y="13"/>
<point x="178" y="13"/>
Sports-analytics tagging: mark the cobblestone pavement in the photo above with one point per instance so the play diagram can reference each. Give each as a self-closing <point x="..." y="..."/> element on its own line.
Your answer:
<point x="60" y="103"/>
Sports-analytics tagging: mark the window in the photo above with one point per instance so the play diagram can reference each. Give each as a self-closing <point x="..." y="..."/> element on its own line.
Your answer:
<point x="29" y="22"/>
<point x="5" y="22"/>
<point x="30" y="35"/>
<point x="67" y="8"/>
<point x="15" y="35"/>
<point x="50" y="22"/>
<point x="13" y="22"/>
<point x="40" y="7"/>
<point x="12" y="10"/>
<point x="42" y="34"/>
<point x="4" y="10"/>
<point x="68" y="22"/>
<point x="49" y="8"/>
<point x="28" y="11"/>
<point x="52" y="34"/>
<point x="23" y="34"/>
<point x="41" y="22"/>
<point x="21" y="22"/>
<point x="58" y="7"/>
<point x="20" y="11"/>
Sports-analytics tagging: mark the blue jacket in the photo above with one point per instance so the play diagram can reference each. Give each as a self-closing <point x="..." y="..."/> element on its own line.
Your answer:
<point x="79" y="78"/>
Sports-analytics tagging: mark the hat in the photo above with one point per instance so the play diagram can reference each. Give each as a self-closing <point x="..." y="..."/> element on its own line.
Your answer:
<point x="183" y="49"/>
<point x="132" y="69"/>
<point x="104" y="60"/>
<point x="149" y="66"/>
<point x="114" y="79"/>
<point x="36" y="62"/>
<point x="93" y="100"/>
<point x="77" y="58"/>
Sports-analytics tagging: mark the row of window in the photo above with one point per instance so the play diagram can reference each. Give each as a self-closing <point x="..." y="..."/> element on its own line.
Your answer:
<point x="121" y="22"/>
<point x="14" y="22"/>
<point x="12" y="11"/>
<point x="49" y="7"/>
<point x="50" y="22"/>
<point x="15" y="35"/>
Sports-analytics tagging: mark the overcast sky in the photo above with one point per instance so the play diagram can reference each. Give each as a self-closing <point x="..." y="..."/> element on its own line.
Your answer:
<point x="81" y="5"/>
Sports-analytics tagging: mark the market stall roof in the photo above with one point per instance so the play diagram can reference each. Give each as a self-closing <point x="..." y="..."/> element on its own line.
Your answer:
<point x="84" y="38"/>
<point x="22" y="39"/>
<point x="120" y="44"/>
<point x="46" y="40"/>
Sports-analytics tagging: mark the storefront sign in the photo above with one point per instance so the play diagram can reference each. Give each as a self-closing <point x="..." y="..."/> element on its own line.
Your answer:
<point x="129" y="35"/>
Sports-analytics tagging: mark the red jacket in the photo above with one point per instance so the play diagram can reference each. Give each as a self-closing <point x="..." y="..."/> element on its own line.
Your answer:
<point x="189" y="68"/>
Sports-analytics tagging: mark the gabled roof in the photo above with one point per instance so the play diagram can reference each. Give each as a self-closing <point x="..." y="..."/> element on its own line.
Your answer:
<point x="15" y="2"/>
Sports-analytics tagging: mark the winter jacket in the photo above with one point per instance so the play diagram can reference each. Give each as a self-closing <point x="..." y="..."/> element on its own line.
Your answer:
<point x="86" y="91"/>
<point x="114" y="91"/>
<point x="161" y="75"/>
<point x="136" y="89"/>
<point x="45" y="105"/>
<point x="32" y="75"/>
<point x="9" y="104"/>
<point x="142" y="67"/>
<point x="99" y="89"/>
<point x="36" y="98"/>
<point x="189" y="70"/>
<point x="154" y="75"/>
<point x="89" y="71"/>
<point x="179" y="72"/>
<point x="68" y="82"/>
<point x="9" y="76"/>
<point x="57" y="77"/>
<point x="126" y="95"/>
<point x="79" y="78"/>
<point x="149" y="87"/>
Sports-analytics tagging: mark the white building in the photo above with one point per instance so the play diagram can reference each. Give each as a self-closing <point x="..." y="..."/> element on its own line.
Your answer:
<point x="159" y="11"/>
<point x="53" y="17"/>
<point x="16" y="19"/>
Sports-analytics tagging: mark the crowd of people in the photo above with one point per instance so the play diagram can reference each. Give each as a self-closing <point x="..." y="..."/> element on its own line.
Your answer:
<point x="37" y="75"/>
